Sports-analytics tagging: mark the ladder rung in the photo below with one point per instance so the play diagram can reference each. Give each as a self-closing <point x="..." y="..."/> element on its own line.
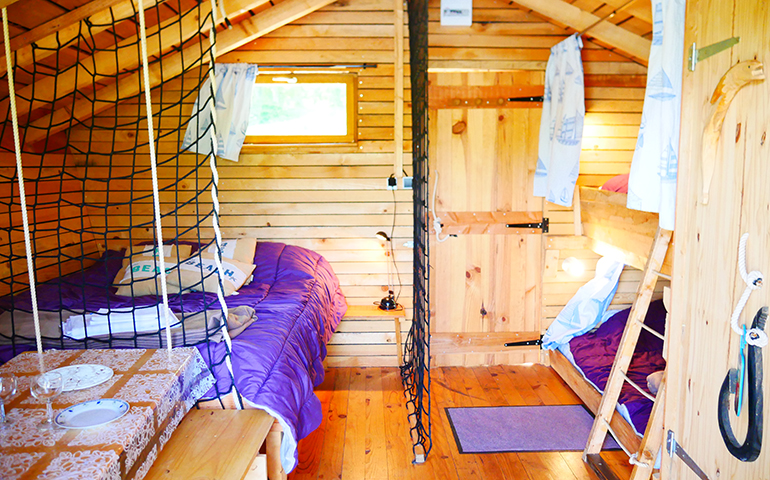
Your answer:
<point x="640" y="389"/>
<point x="616" y="437"/>
<point x="651" y="330"/>
<point x="662" y="275"/>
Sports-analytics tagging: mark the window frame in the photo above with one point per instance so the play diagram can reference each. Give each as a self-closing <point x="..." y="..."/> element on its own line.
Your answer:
<point x="349" y="79"/>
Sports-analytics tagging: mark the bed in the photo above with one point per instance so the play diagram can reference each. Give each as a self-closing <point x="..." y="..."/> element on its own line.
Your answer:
<point x="277" y="360"/>
<point x="585" y="363"/>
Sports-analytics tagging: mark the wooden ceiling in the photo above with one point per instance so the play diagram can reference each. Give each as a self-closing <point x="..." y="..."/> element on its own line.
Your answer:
<point x="627" y="33"/>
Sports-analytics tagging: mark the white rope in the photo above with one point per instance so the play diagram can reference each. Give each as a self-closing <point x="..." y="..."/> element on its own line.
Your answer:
<point x="215" y="217"/>
<point x="214" y="15"/>
<point x="632" y="457"/>
<point x="154" y="168"/>
<point x="436" y="220"/>
<point x="753" y="280"/>
<point x="22" y="193"/>
<point x="224" y="13"/>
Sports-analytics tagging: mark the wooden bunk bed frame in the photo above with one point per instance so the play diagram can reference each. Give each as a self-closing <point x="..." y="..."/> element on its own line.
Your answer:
<point x="626" y="235"/>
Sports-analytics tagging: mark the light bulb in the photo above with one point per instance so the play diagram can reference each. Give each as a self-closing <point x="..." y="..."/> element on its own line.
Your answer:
<point x="573" y="266"/>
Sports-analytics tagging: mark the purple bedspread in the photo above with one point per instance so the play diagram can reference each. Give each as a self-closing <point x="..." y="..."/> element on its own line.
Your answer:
<point x="277" y="360"/>
<point x="595" y="352"/>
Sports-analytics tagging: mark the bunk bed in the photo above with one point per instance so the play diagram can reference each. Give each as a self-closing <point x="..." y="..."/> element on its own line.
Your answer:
<point x="627" y="236"/>
<point x="277" y="359"/>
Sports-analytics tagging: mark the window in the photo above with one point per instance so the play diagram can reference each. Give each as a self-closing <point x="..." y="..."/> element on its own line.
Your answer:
<point x="303" y="108"/>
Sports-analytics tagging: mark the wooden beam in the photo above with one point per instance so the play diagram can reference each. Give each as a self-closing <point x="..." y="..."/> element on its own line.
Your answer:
<point x="477" y="223"/>
<point x="49" y="45"/>
<point x="449" y="343"/>
<point x="106" y="63"/>
<point x="486" y="96"/>
<point x="70" y="18"/>
<point x="241" y="33"/>
<point x="7" y="3"/>
<point x="629" y="43"/>
<point x="640" y="10"/>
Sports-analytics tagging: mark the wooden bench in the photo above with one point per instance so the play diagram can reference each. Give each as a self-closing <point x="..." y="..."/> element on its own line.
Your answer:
<point x="215" y="444"/>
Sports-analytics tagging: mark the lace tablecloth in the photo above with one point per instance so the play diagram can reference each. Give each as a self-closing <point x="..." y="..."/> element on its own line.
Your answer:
<point x="159" y="388"/>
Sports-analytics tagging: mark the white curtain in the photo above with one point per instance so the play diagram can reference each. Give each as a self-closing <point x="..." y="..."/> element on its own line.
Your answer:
<point x="561" y="126"/>
<point x="234" y="83"/>
<point x="652" y="182"/>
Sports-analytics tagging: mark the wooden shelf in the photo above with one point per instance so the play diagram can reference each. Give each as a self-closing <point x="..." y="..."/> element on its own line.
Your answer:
<point x="366" y="312"/>
<point x="373" y="312"/>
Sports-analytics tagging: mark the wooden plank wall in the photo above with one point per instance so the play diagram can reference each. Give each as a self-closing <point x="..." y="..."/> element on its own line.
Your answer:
<point x="706" y="280"/>
<point x="333" y="199"/>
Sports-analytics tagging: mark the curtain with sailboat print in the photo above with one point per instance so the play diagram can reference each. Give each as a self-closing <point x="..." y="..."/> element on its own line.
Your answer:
<point x="232" y="102"/>
<point x="561" y="125"/>
<point x="652" y="182"/>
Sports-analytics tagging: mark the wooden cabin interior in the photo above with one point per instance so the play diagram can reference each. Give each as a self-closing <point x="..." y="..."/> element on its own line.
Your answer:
<point x="489" y="284"/>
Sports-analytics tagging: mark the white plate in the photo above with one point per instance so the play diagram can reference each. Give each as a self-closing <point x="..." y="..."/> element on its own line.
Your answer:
<point x="92" y="413"/>
<point x="79" y="377"/>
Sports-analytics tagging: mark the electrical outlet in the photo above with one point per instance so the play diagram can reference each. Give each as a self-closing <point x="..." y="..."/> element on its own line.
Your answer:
<point x="408" y="183"/>
<point x="392" y="183"/>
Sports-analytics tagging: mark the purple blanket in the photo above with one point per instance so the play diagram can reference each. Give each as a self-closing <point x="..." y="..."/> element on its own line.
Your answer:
<point x="595" y="352"/>
<point x="277" y="360"/>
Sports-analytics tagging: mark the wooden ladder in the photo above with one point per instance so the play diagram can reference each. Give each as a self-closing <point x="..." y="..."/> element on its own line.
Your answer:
<point x="653" y="435"/>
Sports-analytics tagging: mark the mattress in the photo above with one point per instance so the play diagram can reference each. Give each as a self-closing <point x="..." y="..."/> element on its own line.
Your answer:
<point x="594" y="352"/>
<point x="277" y="360"/>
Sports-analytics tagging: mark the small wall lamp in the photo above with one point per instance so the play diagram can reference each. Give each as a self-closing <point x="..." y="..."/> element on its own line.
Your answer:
<point x="573" y="266"/>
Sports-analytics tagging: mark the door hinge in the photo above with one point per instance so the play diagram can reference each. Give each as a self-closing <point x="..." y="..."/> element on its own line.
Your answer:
<point x="543" y="224"/>
<point x="700" y="54"/>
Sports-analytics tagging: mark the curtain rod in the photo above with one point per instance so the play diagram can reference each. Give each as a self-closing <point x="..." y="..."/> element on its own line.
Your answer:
<point x="319" y="65"/>
<point x="610" y="15"/>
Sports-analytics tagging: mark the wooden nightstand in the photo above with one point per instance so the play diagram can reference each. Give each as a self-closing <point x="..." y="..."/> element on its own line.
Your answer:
<point x="373" y="312"/>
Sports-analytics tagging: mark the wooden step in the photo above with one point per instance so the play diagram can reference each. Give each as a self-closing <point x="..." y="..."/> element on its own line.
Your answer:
<point x="215" y="444"/>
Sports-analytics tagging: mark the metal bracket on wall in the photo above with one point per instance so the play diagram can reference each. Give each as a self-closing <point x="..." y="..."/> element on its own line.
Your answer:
<point x="542" y="225"/>
<point x="674" y="448"/>
<point x="700" y="54"/>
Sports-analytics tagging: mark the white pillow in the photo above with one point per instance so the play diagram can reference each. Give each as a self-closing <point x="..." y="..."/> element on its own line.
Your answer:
<point x="145" y="276"/>
<point x="198" y="274"/>
<point x="240" y="249"/>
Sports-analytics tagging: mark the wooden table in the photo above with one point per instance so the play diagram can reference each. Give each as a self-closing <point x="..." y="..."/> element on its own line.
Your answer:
<point x="160" y="388"/>
<point x="373" y="312"/>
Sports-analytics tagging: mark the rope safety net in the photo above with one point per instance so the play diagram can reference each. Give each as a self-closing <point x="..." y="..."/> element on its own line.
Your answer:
<point x="416" y="369"/>
<point x="112" y="201"/>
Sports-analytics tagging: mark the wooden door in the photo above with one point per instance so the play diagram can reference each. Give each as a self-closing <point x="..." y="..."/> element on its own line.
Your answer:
<point x="706" y="282"/>
<point x="485" y="286"/>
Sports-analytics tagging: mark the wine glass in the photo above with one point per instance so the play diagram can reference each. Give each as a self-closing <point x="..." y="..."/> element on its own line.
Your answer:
<point x="8" y="385"/>
<point x="46" y="387"/>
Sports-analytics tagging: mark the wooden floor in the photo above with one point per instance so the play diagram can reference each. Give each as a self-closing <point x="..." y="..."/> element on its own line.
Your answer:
<point x="364" y="432"/>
